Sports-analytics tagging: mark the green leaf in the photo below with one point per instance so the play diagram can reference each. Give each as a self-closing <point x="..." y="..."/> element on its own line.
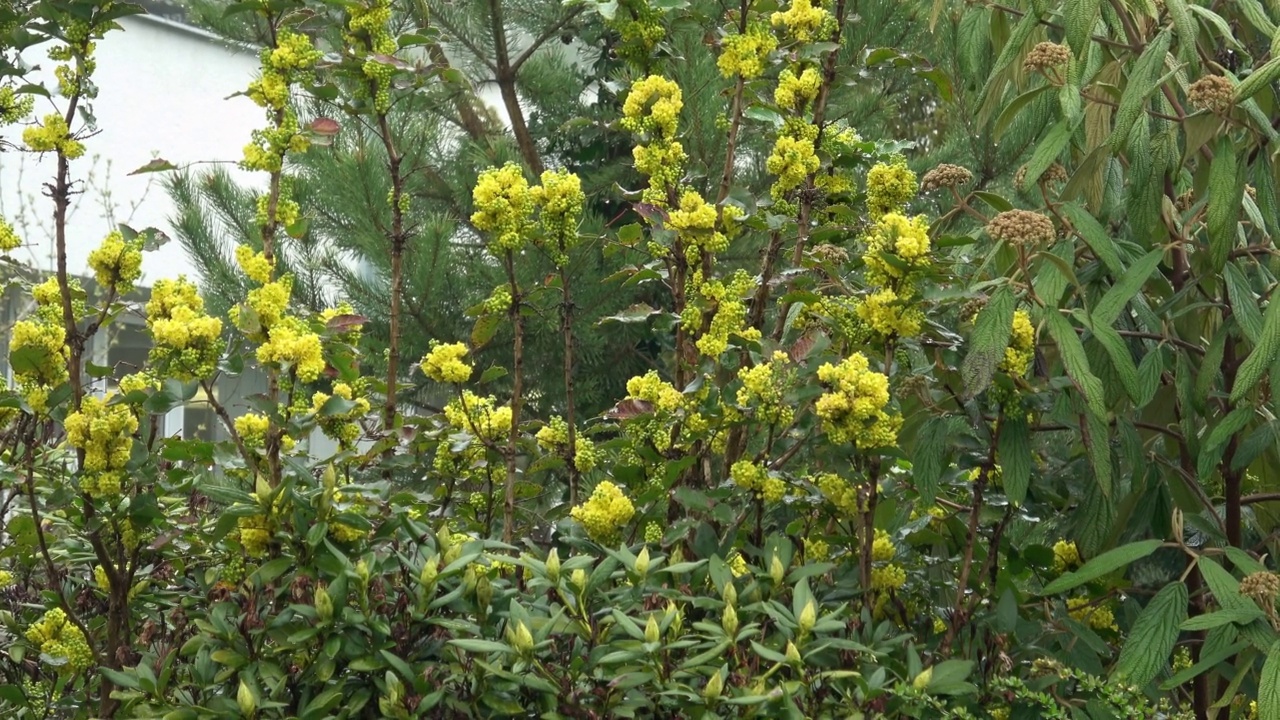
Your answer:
<point x="990" y="338"/>
<point x="1258" y="79"/>
<point x="1263" y="355"/>
<point x="1211" y="450"/>
<point x="1153" y="636"/>
<point x="1121" y="359"/>
<point x="1208" y="621"/>
<point x="1015" y="456"/>
<point x="1226" y="590"/>
<point x="1104" y="564"/>
<point x="639" y="312"/>
<point x="1143" y="80"/>
<point x="1080" y="16"/>
<point x="930" y="456"/>
<point x="1095" y="236"/>
<point x="1010" y="112"/>
<point x="480" y="646"/>
<point x="1112" y="303"/>
<point x="1208" y="661"/>
<point x="1098" y="442"/>
<point x="485" y="328"/>
<point x="1269" y="685"/>
<point x="1226" y="192"/>
<point x="1076" y="361"/>
<point x="1047" y="152"/>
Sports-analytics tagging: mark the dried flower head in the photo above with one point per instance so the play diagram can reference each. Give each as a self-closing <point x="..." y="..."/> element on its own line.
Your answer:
<point x="835" y="254"/>
<point x="1046" y="55"/>
<point x="945" y="175"/>
<point x="1211" y="92"/>
<point x="1021" y="227"/>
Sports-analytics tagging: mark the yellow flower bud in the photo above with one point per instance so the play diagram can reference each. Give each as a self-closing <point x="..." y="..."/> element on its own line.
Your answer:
<point x="776" y="571"/>
<point x="652" y="633"/>
<point x="729" y="621"/>
<point x="430" y="569"/>
<point x="579" y="579"/>
<point x="324" y="605"/>
<point x="923" y="679"/>
<point x="714" y="686"/>
<point x="793" y="653"/>
<point x="362" y="571"/>
<point x="484" y="592"/>
<point x="730" y="594"/>
<point x="553" y="566"/>
<point x="642" y="562"/>
<point x="808" y="616"/>
<point x="244" y="699"/>
<point x="523" y="639"/>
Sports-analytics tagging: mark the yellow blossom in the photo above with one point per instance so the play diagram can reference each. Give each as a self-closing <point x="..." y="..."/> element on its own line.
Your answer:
<point x="443" y="363"/>
<point x="604" y="513"/>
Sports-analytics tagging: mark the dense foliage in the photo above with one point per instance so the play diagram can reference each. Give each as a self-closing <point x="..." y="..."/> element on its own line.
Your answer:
<point x="1007" y="459"/>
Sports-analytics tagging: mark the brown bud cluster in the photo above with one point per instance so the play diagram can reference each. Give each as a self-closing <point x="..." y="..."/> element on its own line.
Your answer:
<point x="945" y="175"/>
<point x="1046" y="55"/>
<point x="1211" y="92"/>
<point x="1055" y="173"/>
<point x="1021" y="227"/>
<point x="831" y="254"/>
<point x="1262" y="586"/>
<point x="1184" y="201"/>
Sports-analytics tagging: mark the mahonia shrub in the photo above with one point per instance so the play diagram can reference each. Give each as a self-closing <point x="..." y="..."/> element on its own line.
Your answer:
<point x="864" y="481"/>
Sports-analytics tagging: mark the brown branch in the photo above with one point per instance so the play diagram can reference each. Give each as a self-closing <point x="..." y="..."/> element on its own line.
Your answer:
<point x="505" y="76"/>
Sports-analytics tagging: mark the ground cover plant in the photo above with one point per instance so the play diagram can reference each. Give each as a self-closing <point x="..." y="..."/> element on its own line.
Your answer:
<point x="902" y="446"/>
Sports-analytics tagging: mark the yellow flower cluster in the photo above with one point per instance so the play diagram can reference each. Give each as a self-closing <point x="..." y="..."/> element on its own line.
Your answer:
<point x="443" y="363"/>
<point x="353" y="503"/>
<point x="765" y="485"/>
<point x="186" y="341"/>
<point x="651" y="388"/>
<point x="368" y="33"/>
<point x="553" y="436"/>
<point x="889" y="315"/>
<point x="104" y="431"/>
<point x="1021" y="351"/>
<point x="882" y="547"/>
<point x="293" y="53"/>
<point x="52" y="134"/>
<point x="695" y="221"/>
<point x="343" y="427"/>
<point x="287" y="211"/>
<point x="653" y="106"/>
<point x="793" y="159"/>
<point x="737" y="564"/>
<point x="888" y="578"/>
<point x="639" y="30"/>
<point x="839" y="492"/>
<point x="479" y="416"/>
<point x="255" y="534"/>
<point x="764" y="386"/>
<point x="1066" y="556"/>
<point x="652" y="109"/>
<point x="604" y="513"/>
<point x="9" y="239"/>
<point x="6" y="579"/>
<point x="255" y="265"/>
<point x="268" y="304"/>
<point x="795" y="91"/>
<point x="889" y="187"/>
<point x="117" y="264"/>
<point x="289" y="62"/>
<point x="42" y="346"/>
<point x="897" y="235"/>
<point x="504" y="206"/>
<point x="252" y="429"/>
<point x="745" y="54"/>
<point x="853" y="410"/>
<point x="14" y="107"/>
<point x="802" y="20"/>
<point x="293" y="345"/>
<point x="725" y="300"/>
<point x="816" y="550"/>
<point x="55" y="636"/>
<point x="351" y="326"/>
<point x="1098" y="617"/>
<point x="560" y="200"/>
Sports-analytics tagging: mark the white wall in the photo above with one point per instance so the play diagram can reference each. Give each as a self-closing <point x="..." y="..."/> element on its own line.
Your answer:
<point x="161" y="92"/>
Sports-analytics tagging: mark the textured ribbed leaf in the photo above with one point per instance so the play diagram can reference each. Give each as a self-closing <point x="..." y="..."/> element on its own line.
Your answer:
<point x="1208" y="661"/>
<point x="1010" y="112"/>
<point x="1211" y="450"/>
<point x="990" y="338"/>
<point x="1208" y="621"/>
<point x="1080" y="17"/>
<point x="1149" y="372"/>
<point x="1143" y="80"/>
<point x="1121" y="359"/>
<point x="1015" y="457"/>
<point x="1226" y="591"/>
<point x="1153" y="636"/>
<point x="1047" y="152"/>
<point x="1021" y="33"/>
<point x="1095" y="236"/>
<point x="1075" y="360"/>
<point x="1112" y="303"/>
<point x="1244" y="304"/>
<point x="930" y="456"/>
<point x="1226" y="191"/>
<point x="1106" y="563"/>
<point x="1263" y="354"/>
<point x="1097" y="441"/>
<point x="1269" y="685"/>
<point x="1185" y="27"/>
